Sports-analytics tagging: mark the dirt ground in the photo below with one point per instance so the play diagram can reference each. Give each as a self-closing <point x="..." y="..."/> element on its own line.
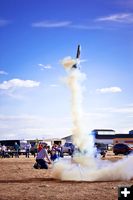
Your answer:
<point x="20" y="181"/>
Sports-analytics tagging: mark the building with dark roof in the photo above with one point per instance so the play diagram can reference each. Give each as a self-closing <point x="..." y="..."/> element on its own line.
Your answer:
<point x="107" y="136"/>
<point x="104" y="136"/>
<point x="123" y="138"/>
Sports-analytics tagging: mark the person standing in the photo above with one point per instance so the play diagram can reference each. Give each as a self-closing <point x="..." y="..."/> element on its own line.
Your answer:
<point x="17" y="148"/>
<point x="3" y="151"/>
<point x="33" y="150"/>
<point x="27" y="152"/>
<point x="0" y="150"/>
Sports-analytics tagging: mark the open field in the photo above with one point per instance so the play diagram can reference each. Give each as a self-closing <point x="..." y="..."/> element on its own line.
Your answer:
<point x="20" y="181"/>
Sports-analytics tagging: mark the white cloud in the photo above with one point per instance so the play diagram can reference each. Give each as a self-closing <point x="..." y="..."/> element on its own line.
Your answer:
<point x="85" y="27"/>
<point x="51" y="24"/>
<point x="123" y="110"/>
<point x="43" y="67"/>
<point x="32" y="127"/>
<point x="4" y="22"/>
<point x="109" y="90"/>
<point x="18" y="83"/>
<point x="68" y="24"/>
<point x="54" y="85"/>
<point x="121" y="17"/>
<point x="117" y="118"/>
<point x="3" y="72"/>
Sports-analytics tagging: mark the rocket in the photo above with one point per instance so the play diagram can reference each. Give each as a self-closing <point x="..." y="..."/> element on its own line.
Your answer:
<point x="77" y="58"/>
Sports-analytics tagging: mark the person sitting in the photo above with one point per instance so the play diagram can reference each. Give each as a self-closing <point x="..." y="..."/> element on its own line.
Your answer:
<point x="53" y="155"/>
<point x="42" y="159"/>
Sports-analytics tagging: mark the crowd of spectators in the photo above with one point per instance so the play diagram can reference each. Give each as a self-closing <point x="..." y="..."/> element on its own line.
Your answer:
<point x="53" y="151"/>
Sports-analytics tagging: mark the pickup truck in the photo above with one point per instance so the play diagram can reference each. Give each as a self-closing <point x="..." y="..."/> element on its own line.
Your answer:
<point x="68" y="148"/>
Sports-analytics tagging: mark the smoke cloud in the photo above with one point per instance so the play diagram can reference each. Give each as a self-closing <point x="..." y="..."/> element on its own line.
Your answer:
<point x="68" y="62"/>
<point x="84" y="166"/>
<point x="87" y="168"/>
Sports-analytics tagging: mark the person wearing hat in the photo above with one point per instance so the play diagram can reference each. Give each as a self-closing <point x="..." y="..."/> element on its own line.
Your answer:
<point x="42" y="158"/>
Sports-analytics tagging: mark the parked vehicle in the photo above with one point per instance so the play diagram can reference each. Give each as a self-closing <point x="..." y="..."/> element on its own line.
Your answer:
<point x="131" y="146"/>
<point x="68" y="148"/>
<point x="121" y="148"/>
<point x="101" y="148"/>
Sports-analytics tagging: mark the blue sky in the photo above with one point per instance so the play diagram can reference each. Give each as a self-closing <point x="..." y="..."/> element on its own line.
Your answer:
<point x="35" y="35"/>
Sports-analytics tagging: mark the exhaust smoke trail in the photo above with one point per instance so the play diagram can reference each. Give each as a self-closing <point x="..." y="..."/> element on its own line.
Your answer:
<point x="83" y="166"/>
<point x="74" y="80"/>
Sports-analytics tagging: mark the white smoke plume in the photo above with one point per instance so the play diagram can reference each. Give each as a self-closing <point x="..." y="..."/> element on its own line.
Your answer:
<point x="84" y="166"/>
<point x="74" y="81"/>
<point x="93" y="169"/>
<point x="80" y="137"/>
<point x="68" y="62"/>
